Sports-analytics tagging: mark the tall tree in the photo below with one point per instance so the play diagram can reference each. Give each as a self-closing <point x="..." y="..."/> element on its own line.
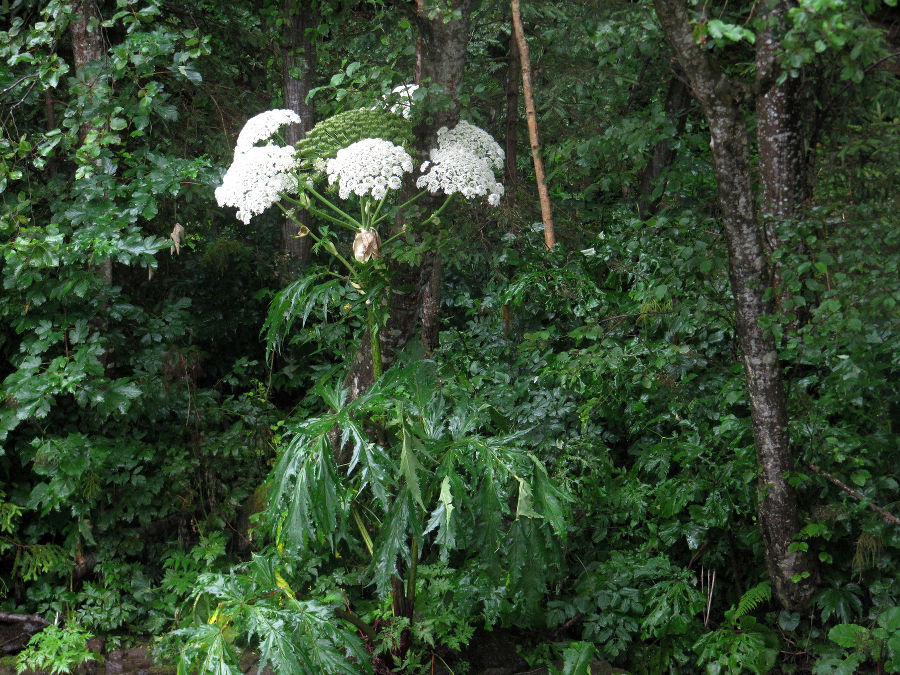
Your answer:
<point x="87" y="46"/>
<point x="513" y="74"/>
<point x="442" y="39"/>
<point x="722" y="101"/>
<point x="677" y="99"/>
<point x="298" y="70"/>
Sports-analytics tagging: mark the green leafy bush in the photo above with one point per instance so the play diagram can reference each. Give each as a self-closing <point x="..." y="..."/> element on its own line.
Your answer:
<point x="56" y="650"/>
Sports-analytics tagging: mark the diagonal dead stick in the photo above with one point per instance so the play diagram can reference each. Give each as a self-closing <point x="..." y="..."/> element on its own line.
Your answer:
<point x="887" y="515"/>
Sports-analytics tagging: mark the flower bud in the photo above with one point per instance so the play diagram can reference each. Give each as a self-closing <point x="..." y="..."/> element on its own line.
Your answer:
<point x="366" y="245"/>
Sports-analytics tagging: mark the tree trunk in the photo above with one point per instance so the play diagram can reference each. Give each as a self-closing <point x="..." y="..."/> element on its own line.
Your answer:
<point x="748" y="270"/>
<point x="531" y="116"/>
<point x="431" y="306"/>
<point x="782" y="148"/>
<point x="443" y="53"/>
<point x="298" y="69"/>
<point x="514" y="72"/>
<point x="677" y="99"/>
<point x="782" y="161"/>
<point x="87" y="46"/>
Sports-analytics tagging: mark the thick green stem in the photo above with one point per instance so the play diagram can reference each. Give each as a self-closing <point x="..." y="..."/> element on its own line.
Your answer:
<point x="399" y="208"/>
<point x="350" y="219"/>
<point x="374" y="340"/>
<point x="331" y="249"/>
<point x="434" y="215"/>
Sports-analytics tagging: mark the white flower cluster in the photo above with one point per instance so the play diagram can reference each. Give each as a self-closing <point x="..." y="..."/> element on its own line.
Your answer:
<point x="255" y="179"/>
<point x="262" y="127"/>
<point x="259" y="174"/>
<point x="475" y="140"/>
<point x="370" y="166"/>
<point x="464" y="162"/>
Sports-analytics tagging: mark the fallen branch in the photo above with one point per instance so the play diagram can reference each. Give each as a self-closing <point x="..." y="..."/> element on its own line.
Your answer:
<point x="887" y="515"/>
<point x="11" y="617"/>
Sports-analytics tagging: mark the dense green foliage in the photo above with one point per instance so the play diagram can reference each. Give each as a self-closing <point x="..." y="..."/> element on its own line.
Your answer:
<point x="573" y="465"/>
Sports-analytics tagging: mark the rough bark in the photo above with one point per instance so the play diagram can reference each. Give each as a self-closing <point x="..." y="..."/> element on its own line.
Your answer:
<point x="431" y="306"/>
<point x="298" y="69"/>
<point x="782" y="162"/>
<point x="443" y="57"/>
<point x="531" y="117"/>
<point x="678" y="98"/>
<point x="16" y="630"/>
<point x="720" y="100"/>
<point x="510" y="175"/>
<point x="781" y="143"/>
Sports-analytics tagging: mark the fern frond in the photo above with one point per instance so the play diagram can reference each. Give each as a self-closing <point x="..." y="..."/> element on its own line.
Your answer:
<point x="750" y="600"/>
<point x="9" y="512"/>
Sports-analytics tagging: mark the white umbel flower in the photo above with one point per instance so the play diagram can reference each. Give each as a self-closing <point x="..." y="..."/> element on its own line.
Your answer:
<point x="256" y="178"/>
<point x="259" y="174"/>
<point x="369" y="167"/>
<point x="453" y="169"/>
<point x="474" y="140"/>
<point x="262" y="126"/>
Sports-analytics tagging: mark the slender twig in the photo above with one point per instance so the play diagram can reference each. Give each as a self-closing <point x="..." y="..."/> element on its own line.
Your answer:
<point x="887" y="515"/>
<point x="531" y="117"/>
<point x="17" y="83"/>
<point x="707" y="583"/>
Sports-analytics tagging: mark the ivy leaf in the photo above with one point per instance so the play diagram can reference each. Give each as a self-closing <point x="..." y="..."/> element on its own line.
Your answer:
<point x="118" y="395"/>
<point x="889" y="619"/>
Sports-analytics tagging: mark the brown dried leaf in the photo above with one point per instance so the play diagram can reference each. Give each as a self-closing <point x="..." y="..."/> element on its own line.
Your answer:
<point x="177" y="238"/>
<point x="366" y="245"/>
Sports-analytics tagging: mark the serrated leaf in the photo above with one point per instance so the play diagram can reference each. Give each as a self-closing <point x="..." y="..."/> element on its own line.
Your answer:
<point x="524" y="508"/>
<point x="409" y="464"/>
<point x="392" y="541"/>
<point x="577" y="659"/>
<point x="848" y="635"/>
<point x="549" y="500"/>
<point x="312" y="292"/>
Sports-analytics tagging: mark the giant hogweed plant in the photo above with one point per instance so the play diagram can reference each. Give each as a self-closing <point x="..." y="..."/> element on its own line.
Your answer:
<point x="365" y="155"/>
<point x="427" y="519"/>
